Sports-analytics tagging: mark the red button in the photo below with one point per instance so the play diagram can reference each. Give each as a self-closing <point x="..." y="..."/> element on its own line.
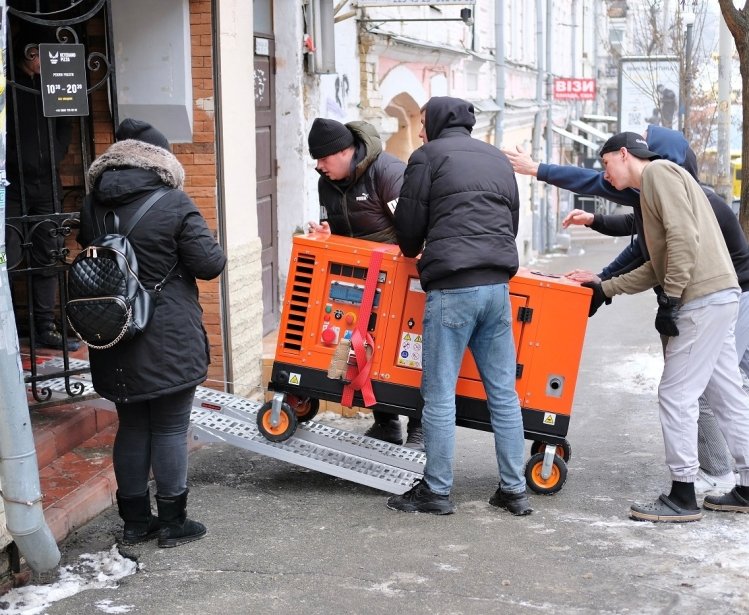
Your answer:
<point x="350" y="318"/>
<point x="328" y="336"/>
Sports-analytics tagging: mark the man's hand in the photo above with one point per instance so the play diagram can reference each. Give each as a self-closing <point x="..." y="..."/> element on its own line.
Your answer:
<point x="521" y="162"/>
<point x="322" y="227"/>
<point x="598" y="298"/>
<point x="665" y="318"/>
<point x="582" y="275"/>
<point x="577" y="216"/>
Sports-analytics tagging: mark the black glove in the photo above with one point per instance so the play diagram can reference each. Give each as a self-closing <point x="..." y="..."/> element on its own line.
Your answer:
<point x="598" y="298"/>
<point x="665" y="319"/>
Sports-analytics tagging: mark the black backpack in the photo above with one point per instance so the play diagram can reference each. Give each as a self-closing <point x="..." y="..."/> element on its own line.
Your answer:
<point x="106" y="302"/>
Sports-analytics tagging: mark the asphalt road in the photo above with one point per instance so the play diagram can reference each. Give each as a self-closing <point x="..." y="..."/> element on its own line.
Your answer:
<point x="282" y="539"/>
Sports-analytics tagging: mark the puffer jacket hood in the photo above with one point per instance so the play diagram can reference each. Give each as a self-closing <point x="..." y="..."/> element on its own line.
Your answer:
<point x="673" y="146"/>
<point x="444" y="112"/>
<point x="366" y="134"/>
<point x="134" y="154"/>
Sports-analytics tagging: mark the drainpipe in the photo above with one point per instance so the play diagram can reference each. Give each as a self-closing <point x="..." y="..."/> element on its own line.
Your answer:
<point x="548" y="231"/>
<point x="538" y="221"/>
<point x="499" y="70"/>
<point x="19" y="471"/>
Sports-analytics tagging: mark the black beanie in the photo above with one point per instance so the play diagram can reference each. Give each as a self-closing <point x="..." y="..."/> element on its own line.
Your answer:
<point x="328" y="137"/>
<point x="141" y="131"/>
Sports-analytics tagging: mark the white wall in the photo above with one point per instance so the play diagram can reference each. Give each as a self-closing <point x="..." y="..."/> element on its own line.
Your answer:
<point x="237" y="141"/>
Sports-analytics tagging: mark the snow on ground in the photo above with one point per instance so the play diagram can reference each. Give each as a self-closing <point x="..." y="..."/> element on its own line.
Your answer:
<point x="92" y="571"/>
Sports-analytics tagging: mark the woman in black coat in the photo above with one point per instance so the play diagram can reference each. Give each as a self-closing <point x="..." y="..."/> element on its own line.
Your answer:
<point x="152" y="377"/>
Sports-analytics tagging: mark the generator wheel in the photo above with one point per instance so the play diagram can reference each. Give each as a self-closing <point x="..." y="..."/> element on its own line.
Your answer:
<point x="305" y="408"/>
<point x="548" y="486"/>
<point x="286" y="425"/>
<point x="563" y="450"/>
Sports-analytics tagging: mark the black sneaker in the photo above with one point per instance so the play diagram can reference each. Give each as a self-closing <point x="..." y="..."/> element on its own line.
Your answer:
<point x="728" y="502"/>
<point x="390" y="431"/>
<point x="49" y="337"/>
<point x="516" y="503"/>
<point x="421" y="498"/>
<point x="415" y="439"/>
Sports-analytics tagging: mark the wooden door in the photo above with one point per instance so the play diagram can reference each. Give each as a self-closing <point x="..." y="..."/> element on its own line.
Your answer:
<point x="265" y="170"/>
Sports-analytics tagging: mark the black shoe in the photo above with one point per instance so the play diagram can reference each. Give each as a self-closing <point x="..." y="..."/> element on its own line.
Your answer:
<point x="421" y="498"/>
<point x="415" y="439"/>
<point x="728" y="502"/>
<point x="176" y="528"/>
<point x="48" y="336"/>
<point x="140" y="524"/>
<point x="516" y="503"/>
<point x="389" y="431"/>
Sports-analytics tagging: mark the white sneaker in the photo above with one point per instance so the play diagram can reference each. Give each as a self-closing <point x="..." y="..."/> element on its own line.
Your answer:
<point x="706" y="483"/>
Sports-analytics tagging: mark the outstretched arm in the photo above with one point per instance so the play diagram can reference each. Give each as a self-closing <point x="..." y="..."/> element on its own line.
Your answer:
<point x="521" y="161"/>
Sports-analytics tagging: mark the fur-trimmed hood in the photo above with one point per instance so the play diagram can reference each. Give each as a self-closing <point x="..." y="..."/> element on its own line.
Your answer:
<point x="132" y="154"/>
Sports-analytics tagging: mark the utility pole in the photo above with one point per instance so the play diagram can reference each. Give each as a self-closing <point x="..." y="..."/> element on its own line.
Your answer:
<point x="689" y="20"/>
<point x="724" y="185"/>
<point x="499" y="70"/>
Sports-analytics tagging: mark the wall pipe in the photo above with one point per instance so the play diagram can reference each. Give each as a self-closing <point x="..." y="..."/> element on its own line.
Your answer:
<point x="538" y="126"/>
<point x="19" y="470"/>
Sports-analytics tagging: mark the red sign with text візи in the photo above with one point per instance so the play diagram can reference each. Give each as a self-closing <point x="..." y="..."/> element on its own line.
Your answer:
<point x="574" y="88"/>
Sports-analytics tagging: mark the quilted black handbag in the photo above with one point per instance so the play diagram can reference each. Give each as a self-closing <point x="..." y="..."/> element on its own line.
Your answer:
<point x="107" y="303"/>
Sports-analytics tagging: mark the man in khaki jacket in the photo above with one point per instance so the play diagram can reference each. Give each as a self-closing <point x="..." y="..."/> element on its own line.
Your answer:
<point x="697" y="311"/>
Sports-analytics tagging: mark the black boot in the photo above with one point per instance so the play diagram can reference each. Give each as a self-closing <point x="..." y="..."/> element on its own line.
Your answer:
<point x="140" y="524"/>
<point x="176" y="528"/>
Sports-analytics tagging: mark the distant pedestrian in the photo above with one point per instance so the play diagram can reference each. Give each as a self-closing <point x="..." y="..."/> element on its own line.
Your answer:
<point x="152" y="377"/>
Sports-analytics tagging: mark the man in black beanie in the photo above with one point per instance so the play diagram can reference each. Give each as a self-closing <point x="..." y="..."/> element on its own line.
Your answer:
<point x="358" y="188"/>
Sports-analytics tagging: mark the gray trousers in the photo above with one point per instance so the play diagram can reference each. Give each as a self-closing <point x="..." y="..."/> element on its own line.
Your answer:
<point x="702" y="358"/>
<point x="712" y="450"/>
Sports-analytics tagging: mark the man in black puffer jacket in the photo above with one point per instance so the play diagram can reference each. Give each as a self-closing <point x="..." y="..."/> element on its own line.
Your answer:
<point x="459" y="195"/>
<point x="151" y="378"/>
<point x="359" y="187"/>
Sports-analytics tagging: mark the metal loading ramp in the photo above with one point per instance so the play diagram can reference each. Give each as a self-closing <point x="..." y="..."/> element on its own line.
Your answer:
<point x="220" y="417"/>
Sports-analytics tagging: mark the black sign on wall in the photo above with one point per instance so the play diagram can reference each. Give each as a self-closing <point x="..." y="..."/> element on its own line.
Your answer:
<point x="63" y="76"/>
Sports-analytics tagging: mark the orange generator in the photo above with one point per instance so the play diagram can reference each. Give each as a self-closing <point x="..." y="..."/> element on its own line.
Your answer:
<point x="351" y="329"/>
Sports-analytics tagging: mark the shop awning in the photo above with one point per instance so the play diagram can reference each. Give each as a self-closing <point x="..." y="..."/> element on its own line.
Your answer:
<point x="577" y="138"/>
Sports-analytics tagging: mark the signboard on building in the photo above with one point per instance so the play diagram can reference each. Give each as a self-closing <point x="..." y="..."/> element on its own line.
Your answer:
<point x="648" y="92"/>
<point x="63" y="77"/>
<point x="574" y="88"/>
<point x="411" y="2"/>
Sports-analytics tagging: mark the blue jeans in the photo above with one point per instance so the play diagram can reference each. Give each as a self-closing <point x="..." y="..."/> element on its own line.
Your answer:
<point x="152" y="435"/>
<point x="477" y="317"/>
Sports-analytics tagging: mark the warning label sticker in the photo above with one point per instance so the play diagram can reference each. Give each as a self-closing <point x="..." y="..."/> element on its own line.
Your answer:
<point x="409" y="353"/>
<point x="549" y="418"/>
<point x="295" y="378"/>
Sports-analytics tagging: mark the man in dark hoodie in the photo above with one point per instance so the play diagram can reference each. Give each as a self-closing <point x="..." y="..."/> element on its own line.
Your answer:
<point x="358" y="187"/>
<point x="460" y="196"/>
<point x="716" y="463"/>
<point x="151" y="378"/>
